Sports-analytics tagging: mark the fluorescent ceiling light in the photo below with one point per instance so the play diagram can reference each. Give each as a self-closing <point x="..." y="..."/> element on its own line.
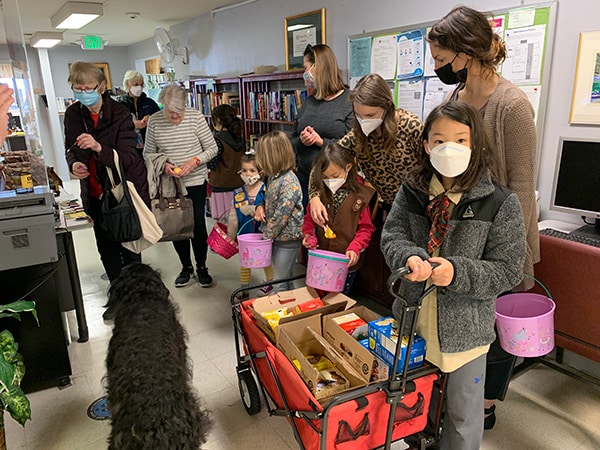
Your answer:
<point x="74" y="15"/>
<point x="45" y="39"/>
<point x="230" y="6"/>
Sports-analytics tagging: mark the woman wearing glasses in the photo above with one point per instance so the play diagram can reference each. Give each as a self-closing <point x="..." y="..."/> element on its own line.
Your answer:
<point x="94" y="126"/>
<point x="183" y="136"/>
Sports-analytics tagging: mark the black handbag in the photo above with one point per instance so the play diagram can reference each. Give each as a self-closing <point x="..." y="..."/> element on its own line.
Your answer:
<point x="118" y="216"/>
<point x="175" y="215"/>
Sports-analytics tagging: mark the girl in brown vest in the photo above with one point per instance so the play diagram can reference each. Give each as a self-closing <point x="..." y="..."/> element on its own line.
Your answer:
<point x="346" y="199"/>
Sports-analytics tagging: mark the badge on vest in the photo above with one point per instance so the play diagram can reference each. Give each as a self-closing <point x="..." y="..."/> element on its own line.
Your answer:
<point x="357" y="205"/>
<point x="240" y="196"/>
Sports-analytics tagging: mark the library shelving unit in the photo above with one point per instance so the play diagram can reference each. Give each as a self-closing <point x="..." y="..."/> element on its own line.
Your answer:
<point x="270" y="101"/>
<point x="212" y="92"/>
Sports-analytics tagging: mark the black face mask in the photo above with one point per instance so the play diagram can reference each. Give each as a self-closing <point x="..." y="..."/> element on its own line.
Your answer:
<point x="448" y="76"/>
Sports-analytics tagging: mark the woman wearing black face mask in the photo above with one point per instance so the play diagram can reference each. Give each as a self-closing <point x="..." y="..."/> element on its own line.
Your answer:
<point x="467" y="51"/>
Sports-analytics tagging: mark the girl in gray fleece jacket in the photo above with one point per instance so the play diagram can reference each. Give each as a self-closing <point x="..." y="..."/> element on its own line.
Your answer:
<point x="452" y="213"/>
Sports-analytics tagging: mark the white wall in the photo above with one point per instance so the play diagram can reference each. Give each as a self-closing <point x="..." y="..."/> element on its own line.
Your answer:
<point x="61" y="56"/>
<point x="240" y="39"/>
<point x="237" y="40"/>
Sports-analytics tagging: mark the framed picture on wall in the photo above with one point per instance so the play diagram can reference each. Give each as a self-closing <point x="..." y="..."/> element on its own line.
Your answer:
<point x="585" y="103"/>
<point x="300" y="31"/>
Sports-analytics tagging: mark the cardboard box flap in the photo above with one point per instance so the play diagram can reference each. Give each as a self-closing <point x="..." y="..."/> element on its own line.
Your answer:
<point x="353" y="376"/>
<point x="351" y="350"/>
<point x="297" y="330"/>
<point x="285" y="299"/>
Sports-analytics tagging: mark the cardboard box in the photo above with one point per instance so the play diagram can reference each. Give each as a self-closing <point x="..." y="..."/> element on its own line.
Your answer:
<point x="361" y="359"/>
<point x="297" y="339"/>
<point x="291" y="299"/>
<point x="380" y="370"/>
<point x="352" y="324"/>
<point x="383" y="336"/>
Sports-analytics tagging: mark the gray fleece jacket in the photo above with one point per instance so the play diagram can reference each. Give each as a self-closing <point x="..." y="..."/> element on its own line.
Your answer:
<point x="486" y="245"/>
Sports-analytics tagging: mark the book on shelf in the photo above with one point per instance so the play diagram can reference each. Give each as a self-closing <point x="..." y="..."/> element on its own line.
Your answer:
<point x="275" y="105"/>
<point x="210" y="100"/>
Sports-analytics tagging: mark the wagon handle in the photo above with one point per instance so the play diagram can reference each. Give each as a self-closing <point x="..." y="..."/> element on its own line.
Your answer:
<point x="397" y="275"/>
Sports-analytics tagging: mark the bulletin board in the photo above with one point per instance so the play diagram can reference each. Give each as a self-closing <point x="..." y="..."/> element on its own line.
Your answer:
<point x="402" y="57"/>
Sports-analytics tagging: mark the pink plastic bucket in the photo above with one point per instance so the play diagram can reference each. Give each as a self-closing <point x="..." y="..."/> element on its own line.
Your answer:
<point x="255" y="252"/>
<point x="326" y="270"/>
<point x="525" y="324"/>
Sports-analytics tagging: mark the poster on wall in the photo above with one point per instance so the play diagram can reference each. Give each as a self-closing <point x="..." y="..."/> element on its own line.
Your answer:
<point x="525" y="47"/>
<point x="410" y="55"/>
<point x="410" y="96"/>
<point x="383" y="56"/>
<point x="360" y="57"/>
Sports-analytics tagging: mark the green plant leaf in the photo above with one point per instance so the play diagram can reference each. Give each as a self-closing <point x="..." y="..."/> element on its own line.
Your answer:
<point x="18" y="405"/>
<point x="8" y="346"/>
<point x="7" y="373"/>
<point x="13" y="309"/>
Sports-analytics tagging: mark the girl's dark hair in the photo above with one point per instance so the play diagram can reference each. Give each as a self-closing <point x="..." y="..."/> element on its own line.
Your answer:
<point x="249" y="158"/>
<point x="468" y="31"/>
<point x="372" y="90"/>
<point x="229" y="119"/>
<point x="482" y="153"/>
<point x="338" y="155"/>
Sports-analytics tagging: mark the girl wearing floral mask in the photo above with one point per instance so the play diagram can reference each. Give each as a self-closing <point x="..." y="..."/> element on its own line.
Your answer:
<point x="241" y="216"/>
<point x="451" y="212"/>
<point x="384" y="141"/>
<point x="349" y="228"/>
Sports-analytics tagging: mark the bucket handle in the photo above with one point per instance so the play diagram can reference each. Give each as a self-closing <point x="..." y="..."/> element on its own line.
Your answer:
<point x="242" y="227"/>
<point x="526" y="275"/>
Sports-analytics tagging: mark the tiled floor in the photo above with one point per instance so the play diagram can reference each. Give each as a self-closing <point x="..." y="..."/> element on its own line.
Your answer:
<point x="543" y="410"/>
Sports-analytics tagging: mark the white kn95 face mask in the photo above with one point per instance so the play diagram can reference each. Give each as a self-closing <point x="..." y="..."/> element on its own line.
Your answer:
<point x="450" y="159"/>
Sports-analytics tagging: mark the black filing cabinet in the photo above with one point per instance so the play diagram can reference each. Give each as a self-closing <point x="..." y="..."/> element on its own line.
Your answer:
<point x="44" y="348"/>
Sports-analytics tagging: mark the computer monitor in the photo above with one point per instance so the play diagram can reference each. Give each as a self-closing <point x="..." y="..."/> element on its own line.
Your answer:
<point x="576" y="187"/>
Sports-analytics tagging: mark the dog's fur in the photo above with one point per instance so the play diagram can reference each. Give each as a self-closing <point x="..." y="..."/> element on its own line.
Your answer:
<point x="151" y="400"/>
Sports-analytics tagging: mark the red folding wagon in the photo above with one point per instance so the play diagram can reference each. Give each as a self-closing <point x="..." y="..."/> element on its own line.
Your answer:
<point x="408" y="405"/>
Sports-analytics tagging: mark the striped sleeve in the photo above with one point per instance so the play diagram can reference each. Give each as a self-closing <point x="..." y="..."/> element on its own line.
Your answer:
<point x="191" y="138"/>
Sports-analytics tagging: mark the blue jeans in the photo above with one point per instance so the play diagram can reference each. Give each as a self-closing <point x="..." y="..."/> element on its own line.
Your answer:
<point x="283" y="257"/>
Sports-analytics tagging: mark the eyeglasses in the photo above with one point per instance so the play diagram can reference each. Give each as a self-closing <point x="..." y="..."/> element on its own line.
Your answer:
<point x="173" y="114"/>
<point x="87" y="91"/>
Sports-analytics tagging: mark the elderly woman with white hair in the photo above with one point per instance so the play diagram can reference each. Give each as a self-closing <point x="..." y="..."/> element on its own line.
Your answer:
<point x="183" y="136"/>
<point x="139" y="104"/>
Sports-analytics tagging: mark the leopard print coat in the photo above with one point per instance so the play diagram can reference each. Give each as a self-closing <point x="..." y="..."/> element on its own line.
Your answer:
<point x="384" y="168"/>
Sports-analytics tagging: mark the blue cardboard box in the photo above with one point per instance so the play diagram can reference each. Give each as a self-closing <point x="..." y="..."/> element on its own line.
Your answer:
<point x="383" y="336"/>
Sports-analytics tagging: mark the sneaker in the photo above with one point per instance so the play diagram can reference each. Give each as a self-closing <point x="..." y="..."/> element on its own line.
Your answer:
<point x="204" y="279"/>
<point x="183" y="279"/>
<point x="109" y="314"/>
<point x="265" y="290"/>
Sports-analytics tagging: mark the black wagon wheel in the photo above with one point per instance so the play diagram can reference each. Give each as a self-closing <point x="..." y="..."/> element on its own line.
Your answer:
<point x="249" y="392"/>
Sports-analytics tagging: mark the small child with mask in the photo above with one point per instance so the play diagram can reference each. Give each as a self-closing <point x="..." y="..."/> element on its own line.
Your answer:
<point x="242" y="213"/>
<point x="346" y="198"/>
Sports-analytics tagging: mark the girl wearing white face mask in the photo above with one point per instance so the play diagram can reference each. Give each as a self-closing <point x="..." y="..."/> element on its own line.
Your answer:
<point x="450" y="211"/>
<point x="139" y="104"/>
<point x="241" y="216"/>
<point x="384" y="141"/>
<point x="347" y="203"/>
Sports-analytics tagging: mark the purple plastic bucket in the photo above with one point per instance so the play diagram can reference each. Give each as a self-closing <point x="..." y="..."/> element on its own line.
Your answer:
<point x="326" y="270"/>
<point x="255" y="252"/>
<point x="525" y="324"/>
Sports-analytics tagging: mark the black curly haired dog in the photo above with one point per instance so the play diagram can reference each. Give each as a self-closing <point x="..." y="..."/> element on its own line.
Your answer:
<point x="152" y="402"/>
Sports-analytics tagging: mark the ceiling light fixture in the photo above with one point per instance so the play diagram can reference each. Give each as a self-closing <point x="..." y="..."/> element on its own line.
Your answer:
<point x="230" y="6"/>
<point x="74" y="15"/>
<point x="45" y="39"/>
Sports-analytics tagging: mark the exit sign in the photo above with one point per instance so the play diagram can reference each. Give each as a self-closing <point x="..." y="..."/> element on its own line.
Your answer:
<point x="92" y="43"/>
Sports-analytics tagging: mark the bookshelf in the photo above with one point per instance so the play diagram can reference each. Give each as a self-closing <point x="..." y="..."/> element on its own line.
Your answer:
<point x="212" y="92"/>
<point x="270" y="101"/>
